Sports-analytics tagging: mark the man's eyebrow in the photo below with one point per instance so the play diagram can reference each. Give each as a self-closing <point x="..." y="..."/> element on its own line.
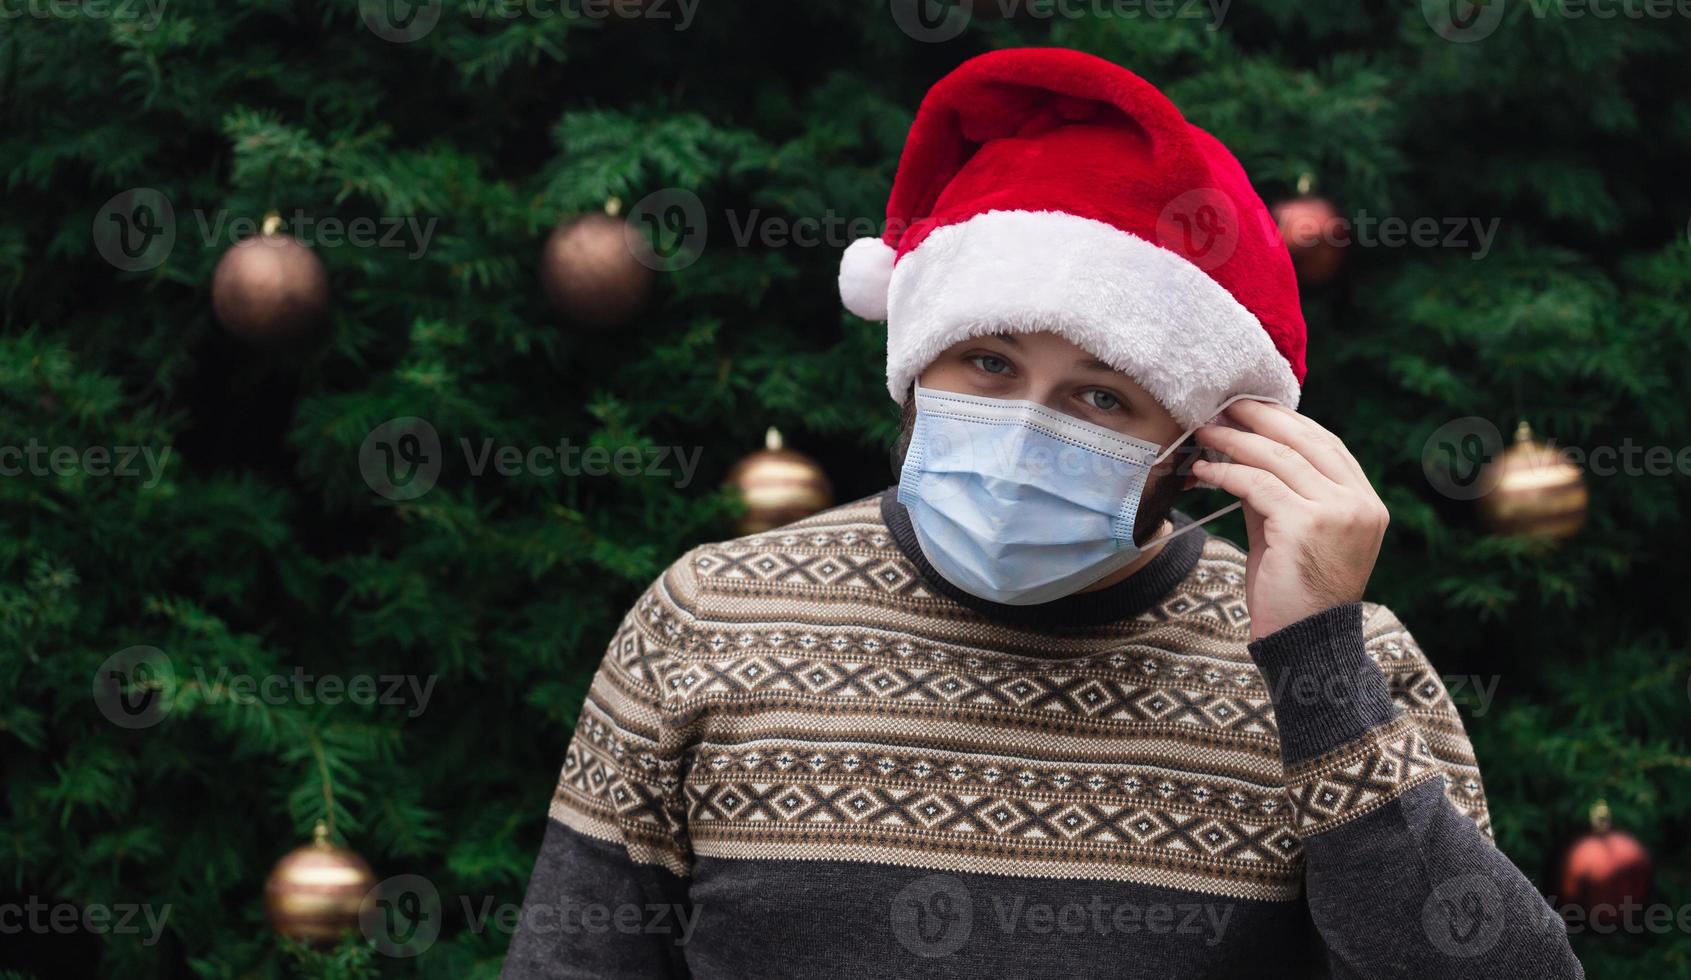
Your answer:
<point x="1091" y="363"/>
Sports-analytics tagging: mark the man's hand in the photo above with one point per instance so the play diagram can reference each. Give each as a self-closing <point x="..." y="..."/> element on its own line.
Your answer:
<point x="1315" y="523"/>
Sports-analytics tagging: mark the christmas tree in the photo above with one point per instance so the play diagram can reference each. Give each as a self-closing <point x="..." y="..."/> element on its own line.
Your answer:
<point x="361" y="574"/>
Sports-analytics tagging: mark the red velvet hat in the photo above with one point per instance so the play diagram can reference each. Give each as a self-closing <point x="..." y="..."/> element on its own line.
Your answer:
<point x="1048" y="189"/>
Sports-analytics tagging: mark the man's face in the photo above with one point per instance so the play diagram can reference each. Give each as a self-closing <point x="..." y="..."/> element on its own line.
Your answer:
<point x="1050" y="370"/>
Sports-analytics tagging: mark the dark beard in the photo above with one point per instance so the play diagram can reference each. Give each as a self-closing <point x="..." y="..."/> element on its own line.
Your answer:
<point x="1164" y="483"/>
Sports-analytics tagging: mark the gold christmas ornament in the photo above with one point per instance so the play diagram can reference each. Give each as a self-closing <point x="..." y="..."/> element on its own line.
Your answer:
<point x="596" y="269"/>
<point x="269" y="290"/>
<point x="779" y="486"/>
<point x="316" y="892"/>
<point x="1536" y="492"/>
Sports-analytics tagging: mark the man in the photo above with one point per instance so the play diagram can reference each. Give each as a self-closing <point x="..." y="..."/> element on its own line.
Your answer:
<point x="1016" y="716"/>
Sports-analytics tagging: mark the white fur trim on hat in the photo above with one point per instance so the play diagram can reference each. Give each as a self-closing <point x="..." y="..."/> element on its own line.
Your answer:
<point x="1140" y="308"/>
<point x="865" y="272"/>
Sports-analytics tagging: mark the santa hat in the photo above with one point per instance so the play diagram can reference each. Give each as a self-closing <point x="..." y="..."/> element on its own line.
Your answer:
<point x="1047" y="189"/>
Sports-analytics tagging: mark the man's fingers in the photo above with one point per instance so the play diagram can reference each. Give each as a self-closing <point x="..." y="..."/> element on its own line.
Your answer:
<point x="1278" y="458"/>
<point x="1324" y="450"/>
<point x="1261" y="490"/>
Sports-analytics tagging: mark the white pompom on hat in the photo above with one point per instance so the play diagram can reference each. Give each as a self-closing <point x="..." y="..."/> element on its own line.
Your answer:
<point x="865" y="274"/>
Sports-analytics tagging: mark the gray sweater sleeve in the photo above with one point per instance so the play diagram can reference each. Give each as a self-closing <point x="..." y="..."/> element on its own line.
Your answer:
<point x="1400" y="874"/>
<point x="591" y="913"/>
<point x="609" y="895"/>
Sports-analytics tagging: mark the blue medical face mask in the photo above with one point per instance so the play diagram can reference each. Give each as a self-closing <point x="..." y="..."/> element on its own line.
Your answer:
<point x="1014" y="502"/>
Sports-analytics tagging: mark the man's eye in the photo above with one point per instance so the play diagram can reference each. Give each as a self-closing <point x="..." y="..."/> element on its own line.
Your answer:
<point x="1102" y="400"/>
<point x="990" y="364"/>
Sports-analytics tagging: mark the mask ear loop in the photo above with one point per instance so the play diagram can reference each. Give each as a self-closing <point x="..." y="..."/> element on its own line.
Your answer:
<point x="1172" y="446"/>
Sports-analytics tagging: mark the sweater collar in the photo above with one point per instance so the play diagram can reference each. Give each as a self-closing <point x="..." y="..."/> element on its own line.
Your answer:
<point x="1123" y="600"/>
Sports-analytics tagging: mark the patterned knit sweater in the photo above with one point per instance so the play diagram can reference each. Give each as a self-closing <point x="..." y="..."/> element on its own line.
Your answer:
<point x="805" y="754"/>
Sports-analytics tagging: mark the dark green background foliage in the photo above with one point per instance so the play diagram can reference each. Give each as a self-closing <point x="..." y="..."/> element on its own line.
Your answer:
<point x="262" y="548"/>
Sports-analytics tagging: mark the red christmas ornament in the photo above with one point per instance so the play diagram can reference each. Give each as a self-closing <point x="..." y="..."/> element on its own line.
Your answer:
<point x="1605" y="869"/>
<point x="1315" y="234"/>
